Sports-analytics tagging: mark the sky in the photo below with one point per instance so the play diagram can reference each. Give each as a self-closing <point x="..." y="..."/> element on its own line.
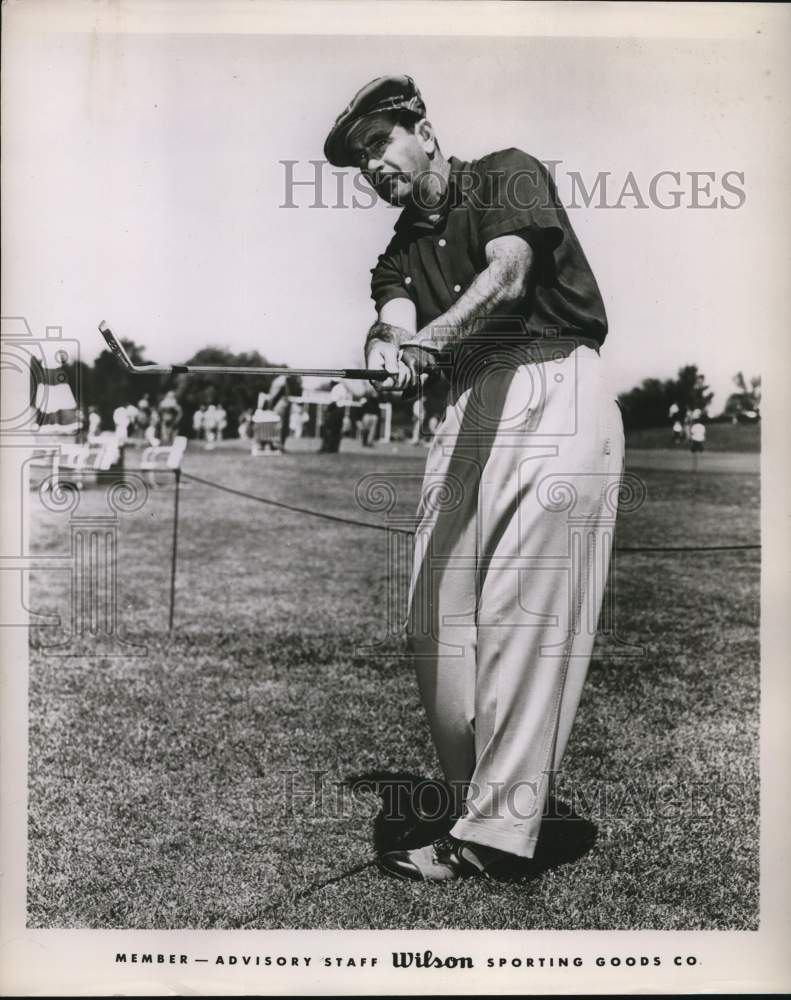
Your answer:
<point x="144" y="181"/>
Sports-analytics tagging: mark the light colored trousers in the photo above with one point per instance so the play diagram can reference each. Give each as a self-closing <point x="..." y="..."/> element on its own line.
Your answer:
<point x="512" y="551"/>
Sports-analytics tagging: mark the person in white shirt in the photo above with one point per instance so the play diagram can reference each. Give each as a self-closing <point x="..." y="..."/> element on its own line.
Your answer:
<point x="94" y="425"/>
<point x="121" y="421"/>
<point x="220" y="421"/>
<point x="697" y="436"/>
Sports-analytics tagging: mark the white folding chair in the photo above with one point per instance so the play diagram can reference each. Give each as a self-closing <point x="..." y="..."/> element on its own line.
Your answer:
<point x="163" y="457"/>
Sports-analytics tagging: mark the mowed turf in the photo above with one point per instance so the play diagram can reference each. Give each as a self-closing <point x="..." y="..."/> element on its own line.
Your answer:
<point x="233" y="776"/>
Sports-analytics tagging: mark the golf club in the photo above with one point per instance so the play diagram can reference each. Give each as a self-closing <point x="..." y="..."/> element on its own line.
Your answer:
<point x="370" y="374"/>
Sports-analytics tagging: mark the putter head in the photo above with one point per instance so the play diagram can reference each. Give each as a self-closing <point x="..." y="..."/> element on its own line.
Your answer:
<point x="118" y="350"/>
<point x="115" y="346"/>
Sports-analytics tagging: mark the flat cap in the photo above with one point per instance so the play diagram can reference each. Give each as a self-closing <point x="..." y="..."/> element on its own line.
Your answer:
<point x="385" y="93"/>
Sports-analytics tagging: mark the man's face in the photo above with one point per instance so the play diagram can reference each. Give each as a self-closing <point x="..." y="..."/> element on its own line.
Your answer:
<point x="390" y="157"/>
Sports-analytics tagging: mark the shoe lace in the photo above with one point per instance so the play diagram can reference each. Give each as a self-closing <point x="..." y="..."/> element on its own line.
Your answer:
<point x="444" y="848"/>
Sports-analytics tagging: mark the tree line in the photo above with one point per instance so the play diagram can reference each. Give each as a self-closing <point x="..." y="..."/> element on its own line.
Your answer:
<point x="106" y="384"/>
<point x="648" y="404"/>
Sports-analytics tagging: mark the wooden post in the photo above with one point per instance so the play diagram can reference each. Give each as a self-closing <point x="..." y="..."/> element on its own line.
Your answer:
<point x="174" y="550"/>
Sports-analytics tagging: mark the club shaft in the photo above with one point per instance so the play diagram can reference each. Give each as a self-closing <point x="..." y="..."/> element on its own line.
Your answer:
<point x="371" y="374"/>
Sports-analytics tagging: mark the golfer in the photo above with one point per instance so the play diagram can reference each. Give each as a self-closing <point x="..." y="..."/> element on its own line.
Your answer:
<point x="485" y="278"/>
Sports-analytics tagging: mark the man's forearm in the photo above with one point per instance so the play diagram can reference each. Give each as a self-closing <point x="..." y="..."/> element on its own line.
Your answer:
<point x="386" y="333"/>
<point x="500" y="284"/>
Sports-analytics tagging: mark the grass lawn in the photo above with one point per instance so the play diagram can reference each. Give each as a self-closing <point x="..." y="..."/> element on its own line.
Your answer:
<point x="235" y="774"/>
<point x="719" y="437"/>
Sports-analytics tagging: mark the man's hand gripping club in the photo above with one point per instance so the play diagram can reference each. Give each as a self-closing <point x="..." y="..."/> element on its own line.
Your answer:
<point x="388" y="347"/>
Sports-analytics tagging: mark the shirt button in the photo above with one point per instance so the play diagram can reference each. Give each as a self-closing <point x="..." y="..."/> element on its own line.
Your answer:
<point x="457" y="288"/>
<point x="442" y="243"/>
<point x="407" y="280"/>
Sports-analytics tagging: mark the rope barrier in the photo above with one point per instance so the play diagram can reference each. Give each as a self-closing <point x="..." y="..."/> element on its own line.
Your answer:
<point x="406" y="531"/>
<point x="293" y="509"/>
<point x="686" y="548"/>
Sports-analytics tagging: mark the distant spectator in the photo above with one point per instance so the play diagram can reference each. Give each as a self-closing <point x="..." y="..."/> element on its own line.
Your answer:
<point x="297" y="420"/>
<point x="216" y="421"/>
<point x="143" y="418"/>
<point x="675" y="416"/>
<point x="94" y="425"/>
<point x="151" y="433"/>
<point x="210" y="426"/>
<point x="245" y="424"/>
<point x="121" y="422"/>
<point x="169" y="418"/>
<point x="332" y="428"/>
<point x="697" y="436"/>
<point x="81" y="433"/>
<point x="197" y="420"/>
<point x="132" y="413"/>
<point x="220" y="421"/>
<point x="369" y="419"/>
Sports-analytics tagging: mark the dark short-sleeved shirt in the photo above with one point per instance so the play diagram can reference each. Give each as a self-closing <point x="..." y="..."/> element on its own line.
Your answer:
<point x="508" y="192"/>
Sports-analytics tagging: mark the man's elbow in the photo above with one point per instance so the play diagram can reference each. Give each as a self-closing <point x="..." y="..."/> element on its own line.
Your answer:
<point x="512" y="276"/>
<point x="514" y="283"/>
<point x="518" y="286"/>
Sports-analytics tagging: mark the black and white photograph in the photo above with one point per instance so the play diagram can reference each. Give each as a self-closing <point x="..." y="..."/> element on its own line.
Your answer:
<point x="395" y="497"/>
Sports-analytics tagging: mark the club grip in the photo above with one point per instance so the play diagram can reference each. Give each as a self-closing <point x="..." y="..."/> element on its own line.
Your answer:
<point x="370" y="374"/>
